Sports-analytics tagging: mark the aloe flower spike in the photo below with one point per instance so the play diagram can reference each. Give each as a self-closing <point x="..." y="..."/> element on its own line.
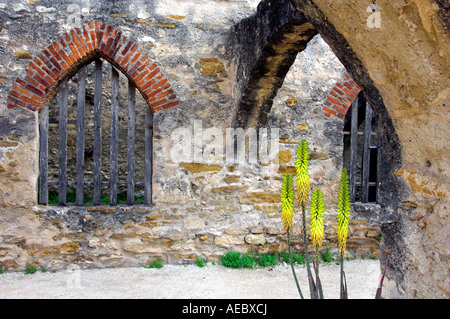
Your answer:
<point x="287" y="201"/>
<point x="301" y="166"/>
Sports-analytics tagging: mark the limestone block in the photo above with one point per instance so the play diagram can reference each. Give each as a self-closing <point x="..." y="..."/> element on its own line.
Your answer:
<point x="229" y="189"/>
<point x="284" y="156"/>
<point x="210" y="66"/>
<point x="286" y="169"/>
<point x="201" y="168"/>
<point x="228" y="240"/>
<point x="236" y="232"/>
<point x="23" y="55"/>
<point x="292" y="101"/>
<point x="259" y="197"/>
<point x="231" y="179"/>
<point x="318" y="156"/>
<point x="194" y="223"/>
<point x="255" y="239"/>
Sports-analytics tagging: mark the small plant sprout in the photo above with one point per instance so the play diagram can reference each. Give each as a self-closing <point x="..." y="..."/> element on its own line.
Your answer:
<point x="200" y="262"/>
<point x="155" y="263"/>
<point x="29" y="269"/>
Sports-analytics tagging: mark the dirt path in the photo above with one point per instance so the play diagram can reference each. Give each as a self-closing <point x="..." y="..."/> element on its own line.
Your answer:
<point x="189" y="282"/>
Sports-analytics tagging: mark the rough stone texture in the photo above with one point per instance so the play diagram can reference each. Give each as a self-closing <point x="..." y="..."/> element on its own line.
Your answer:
<point x="210" y="51"/>
<point x="408" y="79"/>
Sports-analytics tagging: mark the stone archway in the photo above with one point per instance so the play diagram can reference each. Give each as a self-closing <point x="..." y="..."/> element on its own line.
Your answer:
<point x="405" y="82"/>
<point x="401" y="69"/>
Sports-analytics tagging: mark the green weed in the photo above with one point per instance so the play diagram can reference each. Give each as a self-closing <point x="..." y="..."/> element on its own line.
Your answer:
<point x="266" y="260"/>
<point x="155" y="263"/>
<point x="327" y="256"/>
<point x="200" y="262"/>
<point x="237" y="260"/>
<point x="296" y="258"/>
<point x="71" y="198"/>
<point x="29" y="269"/>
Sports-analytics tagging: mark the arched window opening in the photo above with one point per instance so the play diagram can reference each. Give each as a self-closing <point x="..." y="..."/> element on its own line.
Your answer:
<point x="362" y="151"/>
<point x="96" y="141"/>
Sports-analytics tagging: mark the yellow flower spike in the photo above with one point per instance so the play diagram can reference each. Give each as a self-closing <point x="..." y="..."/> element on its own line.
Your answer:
<point x="317" y="213"/>
<point x="301" y="166"/>
<point x="287" y="201"/>
<point x="344" y="209"/>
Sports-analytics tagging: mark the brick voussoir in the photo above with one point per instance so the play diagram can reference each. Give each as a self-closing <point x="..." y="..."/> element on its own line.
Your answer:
<point x="80" y="46"/>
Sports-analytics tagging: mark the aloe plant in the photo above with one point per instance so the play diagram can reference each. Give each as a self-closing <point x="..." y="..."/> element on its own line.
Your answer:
<point x="287" y="201"/>
<point x="316" y="218"/>
<point x="302" y="179"/>
<point x="317" y="210"/>
<point x="287" y="209"/>
<point x="344" y="209"/>
<point x="317" y="213"/>
<point x="302" y="173"/>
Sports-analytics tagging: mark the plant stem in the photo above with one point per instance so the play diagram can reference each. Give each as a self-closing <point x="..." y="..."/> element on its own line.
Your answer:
<point x="308" y="268"/>
<point x="292" y="265"/>
<point x="319" y="292"/>
<point x="343" y="290"/>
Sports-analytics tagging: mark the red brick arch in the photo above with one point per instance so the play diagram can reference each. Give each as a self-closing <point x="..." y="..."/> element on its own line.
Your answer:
<point x="341" y="97"/>
<point x="76" y="48"/>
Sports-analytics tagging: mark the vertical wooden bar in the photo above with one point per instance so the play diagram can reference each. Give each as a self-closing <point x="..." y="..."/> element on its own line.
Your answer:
<point x="131" y="141"/>
<point x="378" y="166"/>
<point x="353" y="148"/>
<point x="81" y="103"/>
<point x="148" y="157"/>
<point x="43" y="156"/>
<point x="62" y="166"/>
<point x="98" y="132"/>
<point x="366" y="155"/>
<point x="114" y="150"/>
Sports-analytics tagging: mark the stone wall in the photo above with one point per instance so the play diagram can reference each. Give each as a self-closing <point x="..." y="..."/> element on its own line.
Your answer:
<point x="200" y="208"/>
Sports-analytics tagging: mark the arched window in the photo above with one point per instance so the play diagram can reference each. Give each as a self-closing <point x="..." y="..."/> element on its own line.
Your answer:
<point x="362" y="151"/>
<point x="83" y="106"/>
<point x="90" y="134"/>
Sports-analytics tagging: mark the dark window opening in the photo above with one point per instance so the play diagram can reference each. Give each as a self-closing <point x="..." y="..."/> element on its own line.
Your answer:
<point x="362" y="151"/>
<point x="96" y="141"/>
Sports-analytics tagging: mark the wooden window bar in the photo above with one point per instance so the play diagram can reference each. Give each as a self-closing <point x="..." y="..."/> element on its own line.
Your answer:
<point x="97" y="182"/>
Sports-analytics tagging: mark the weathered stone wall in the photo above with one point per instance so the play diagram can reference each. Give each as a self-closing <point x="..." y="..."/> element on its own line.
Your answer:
<point x="199" y="208"/>
<point x="223" y="206"/>
<point x="208" y="208"/>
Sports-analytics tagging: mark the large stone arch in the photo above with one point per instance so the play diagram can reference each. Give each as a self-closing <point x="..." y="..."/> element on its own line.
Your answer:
<point x="401" y="80"/>
<point x="402" y="71"/>
<point x="78" y="47"/>
<point x="265" y="46"/>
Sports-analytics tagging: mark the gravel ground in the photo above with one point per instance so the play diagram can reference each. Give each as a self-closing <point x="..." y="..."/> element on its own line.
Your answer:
<point x="188" y="282"/>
